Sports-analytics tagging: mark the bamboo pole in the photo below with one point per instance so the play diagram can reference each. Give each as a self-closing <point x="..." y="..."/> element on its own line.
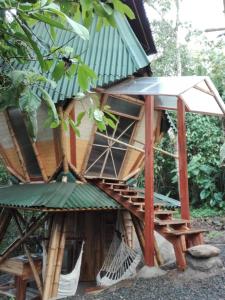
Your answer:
<point x="63" y="142"/>
<point x="20" y="241"/>
<point x="30" y="259"/>
<point x="134" y="147"/>
<point x="52" y="256"/>
<point x="60" y="255"/>
<point x="16" y="145"/>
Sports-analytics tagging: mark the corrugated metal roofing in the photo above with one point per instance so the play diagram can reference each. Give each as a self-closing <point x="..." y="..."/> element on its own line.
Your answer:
<point x="56" y="195"/>
<point x="113" y="53"/>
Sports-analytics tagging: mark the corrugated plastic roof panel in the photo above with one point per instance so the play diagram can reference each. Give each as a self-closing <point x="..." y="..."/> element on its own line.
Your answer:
<point x="113" y="53"/>
<point x="198" y="93"/>
<point x="56" y="196"/>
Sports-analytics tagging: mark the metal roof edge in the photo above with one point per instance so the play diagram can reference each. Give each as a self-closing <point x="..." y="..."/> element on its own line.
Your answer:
<point x="128" y="35"/>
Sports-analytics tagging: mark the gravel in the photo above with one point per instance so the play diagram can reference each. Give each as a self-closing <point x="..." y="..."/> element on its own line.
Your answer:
<point x="189" y="285"/>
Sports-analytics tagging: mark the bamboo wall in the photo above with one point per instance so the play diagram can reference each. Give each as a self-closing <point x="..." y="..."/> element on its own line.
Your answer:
<point x="96" y="228"/>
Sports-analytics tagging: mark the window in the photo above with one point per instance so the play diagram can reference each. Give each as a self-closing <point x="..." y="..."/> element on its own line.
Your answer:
<point x="107" y="156"/>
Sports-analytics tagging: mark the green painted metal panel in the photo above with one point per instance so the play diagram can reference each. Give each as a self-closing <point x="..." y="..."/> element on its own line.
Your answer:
<point x="56" y="195"/>
<point x="113" y="53"/>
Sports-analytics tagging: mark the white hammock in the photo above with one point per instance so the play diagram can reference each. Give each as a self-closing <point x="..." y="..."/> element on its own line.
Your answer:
<point x="67" y="283"/>
<point x="120" y="263"/>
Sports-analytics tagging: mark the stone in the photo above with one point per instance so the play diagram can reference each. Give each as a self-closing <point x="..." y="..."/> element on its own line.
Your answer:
<point x="166" y="249"/>
<point x="150" y="272"/>
<point x="204" y="264"/>
<point x="204" y="251"/>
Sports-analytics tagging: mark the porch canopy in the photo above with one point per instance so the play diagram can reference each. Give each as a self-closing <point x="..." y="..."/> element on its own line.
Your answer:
<point x="192" y="94"/>
<point x="198" y="93"/>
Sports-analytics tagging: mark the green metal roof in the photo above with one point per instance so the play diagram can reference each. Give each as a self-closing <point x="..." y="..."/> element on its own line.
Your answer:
<point x="113" y="53"/>
<point x="56" y="195"/>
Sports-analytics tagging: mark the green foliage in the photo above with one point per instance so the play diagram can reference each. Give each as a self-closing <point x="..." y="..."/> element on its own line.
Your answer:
<point x="4" y="176"/>
<point x="19" y="93"/>
<point x="204" y="134"/>
<point x="19" y="42"/>
<point x="206" y="212"/>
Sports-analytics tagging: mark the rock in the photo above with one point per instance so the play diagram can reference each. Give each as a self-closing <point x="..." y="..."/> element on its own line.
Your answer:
<point x="204" y="264"/>
<point x="150" y="272"/>
<point x="204" y="251"/>
<point x="165" y="248"/>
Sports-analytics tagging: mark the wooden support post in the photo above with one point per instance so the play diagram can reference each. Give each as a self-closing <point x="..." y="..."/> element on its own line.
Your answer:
<point x="59" y="260"/>
<point x="182" y="149"/>
<point x="149" y="181"/>
<point x="52" y="256"/>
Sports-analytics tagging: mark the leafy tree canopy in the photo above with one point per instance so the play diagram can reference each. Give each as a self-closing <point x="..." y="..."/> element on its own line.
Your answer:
<point x="19" y="43"/>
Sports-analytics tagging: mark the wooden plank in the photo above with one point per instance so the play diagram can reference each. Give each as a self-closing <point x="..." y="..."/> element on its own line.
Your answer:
<point x="149" y="181"/>
<point x="182" y="149"/>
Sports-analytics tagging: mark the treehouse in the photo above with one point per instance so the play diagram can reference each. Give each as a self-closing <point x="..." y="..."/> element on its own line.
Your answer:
<point x="75" y="187"/>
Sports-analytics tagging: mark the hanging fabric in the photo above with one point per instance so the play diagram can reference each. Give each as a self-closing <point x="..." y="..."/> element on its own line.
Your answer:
<point x="121" y="260"/>
<point x="67" y="283"/>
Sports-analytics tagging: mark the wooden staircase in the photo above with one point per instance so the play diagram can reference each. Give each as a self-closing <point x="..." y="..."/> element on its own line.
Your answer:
<point x="176" y="231"/>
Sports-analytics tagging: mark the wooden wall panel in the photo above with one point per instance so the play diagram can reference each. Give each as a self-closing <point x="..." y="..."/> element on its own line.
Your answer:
<point x="139" y="140"/>
<point x="131" y="158"/>
<point x="13" y="158"/>
<point x="82" y="147"/>
<point x="47" y="155"/>
<point x="96" y="228"/>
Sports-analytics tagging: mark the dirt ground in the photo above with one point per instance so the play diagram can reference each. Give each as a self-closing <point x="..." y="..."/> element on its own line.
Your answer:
<point x="175" y="285"/>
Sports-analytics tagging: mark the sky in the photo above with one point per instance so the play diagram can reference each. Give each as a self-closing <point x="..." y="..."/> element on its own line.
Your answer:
<point x="202" y="14"/>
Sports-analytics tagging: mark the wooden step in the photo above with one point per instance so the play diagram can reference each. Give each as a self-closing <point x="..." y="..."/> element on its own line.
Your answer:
<point x="164" y="214"/>
<point x="112" y="181"/>
<point x="187" y="232"/>
<point x="126" y="192"/>
<point x="170" y="222"/>
<point x="114" y="186"/>
<point x="134" y="198"/>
